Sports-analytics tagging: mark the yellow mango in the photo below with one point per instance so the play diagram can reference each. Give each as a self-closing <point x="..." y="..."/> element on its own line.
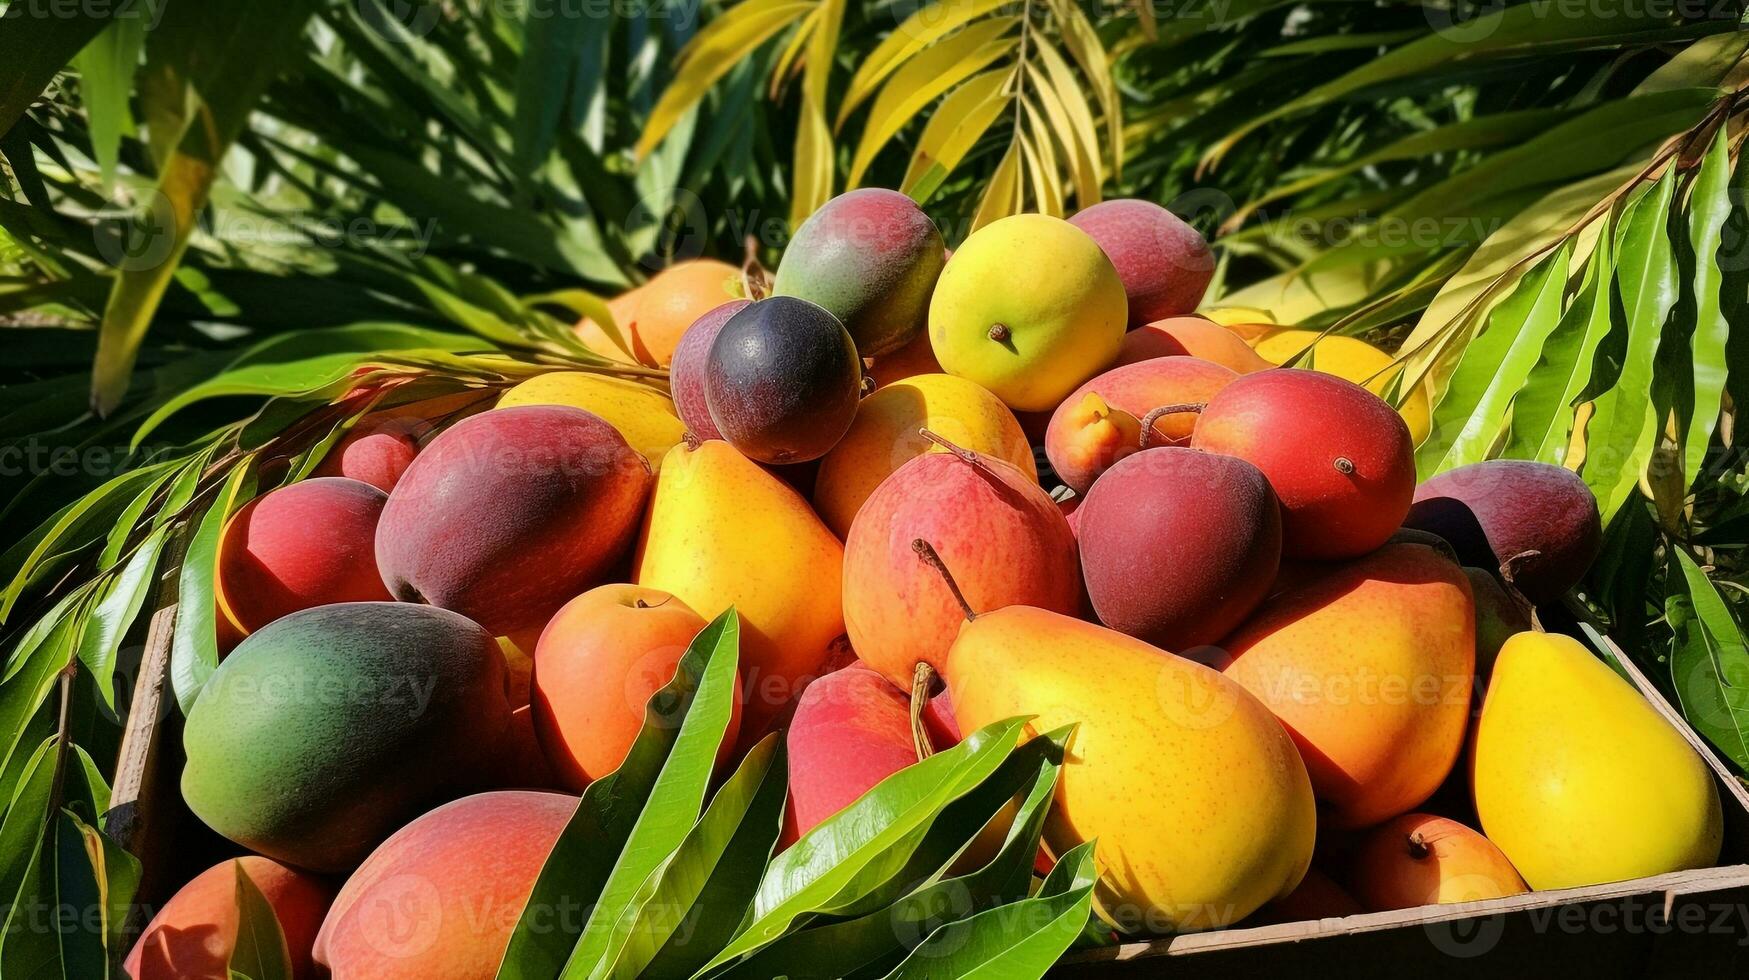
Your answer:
<point x="885" y="435"/>
<point x="1350" y="359"/>
<point x="643" y="415"/>
<point x="1201" y="806"/>
<point x="1579" y="780"/>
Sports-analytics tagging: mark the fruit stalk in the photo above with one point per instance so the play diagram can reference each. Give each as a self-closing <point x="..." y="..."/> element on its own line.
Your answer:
<point x="1153" y="416"/>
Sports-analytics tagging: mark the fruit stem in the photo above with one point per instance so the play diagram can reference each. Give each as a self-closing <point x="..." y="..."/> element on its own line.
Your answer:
<point x="1000" y="333"/>
<point x="922" y="679"/>
<point x="1344" y="465"/>
<point x="691" y="439"/>
<point x="964" y="454"/>
<point x="755" y="281"/>
<point x="1149" y="419"/>
<point x="1418" y="846"/>
<point x="927" y="553"/>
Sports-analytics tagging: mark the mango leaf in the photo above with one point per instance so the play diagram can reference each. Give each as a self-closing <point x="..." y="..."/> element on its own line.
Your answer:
<point x="1002" y="195"/>
<point x="1622" y="431"/>
<point x="21" y="830"/>
<point x="1709" y="207"/>
<point x="241" y="49"/>
<point x="1709" y="663"/>
<point x="609" y="839"/>
<point x="690" y="906"/>
<point x="115" y="606"/>
<point x="1020" y="939"/>
<point x="814" y="871"/>
<point x="873" y="943"/>
<point x="36" y="662"/>
<point x="1542" y="414"/>
<point x="106" y="79"/>
<point x="80" y="523"/>
<point x="36" y="42"/>
<point x="1493" y="367"/>
<point x="953" y="129"/>
<point x="260" y="951"/>
<point x="194" y="645"/>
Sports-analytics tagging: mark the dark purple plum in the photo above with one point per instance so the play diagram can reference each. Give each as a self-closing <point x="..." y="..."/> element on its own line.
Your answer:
<point x="686" y="371"/>
<point x="782" y="380"/>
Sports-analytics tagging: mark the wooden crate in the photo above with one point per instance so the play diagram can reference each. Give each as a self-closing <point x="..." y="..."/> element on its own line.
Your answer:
<point x="1685" y="924"/>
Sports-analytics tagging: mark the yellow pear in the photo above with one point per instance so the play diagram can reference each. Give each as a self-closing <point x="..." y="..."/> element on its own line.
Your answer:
<point x="723" y="531"/>
<point x="1579" y="780"/>
<point x="1198" y="799"/>
<point x="1350" y="359"/>
<point x="886" y="434"/>
<point x="643" y="415"/>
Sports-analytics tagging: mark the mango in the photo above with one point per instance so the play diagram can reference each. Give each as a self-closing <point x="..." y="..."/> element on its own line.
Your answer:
<point x="640" y="413"/>
<point x="623" y="308"/>
<point x="1338" y="456"/>
<point x="1165" y="264"/>
<point x="1199" y="802"/>
<point x="653" y="317"/>
<point x="1369" y="666"/>
<point x="1318" y="896"/>
<point x="1178" y="546"/>
<point x="722" y="531"/>
<point x="303" y="545"/>
<point x="686" y="373"/>
<point x="782" y="380"/>
<point x="376" y="452"/>
<point x="1579" y="780"/>
<point x="1028" y="307"/>
<point x="508" y="514"/>
<point x="1100" y="422"/>
<point x="1536" y="521"/>
<point x="440" y="898"/>
<point x="871" y="258"/>
<point x="328" y="728"/>
<point x="915" y="358"/>
<point x="886" y="433"/>
<point x="598" y="662"/>
<point x="1351" y="359"/>
<point x="1499" y="617"/>
<point x="1190" y="336"/>
<point x="1422" y="859"/>
<point x="194" y="934"/>
<point x="1003" y="536"/>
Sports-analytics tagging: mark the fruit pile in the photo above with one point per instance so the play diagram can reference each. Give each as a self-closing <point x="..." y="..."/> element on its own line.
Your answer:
<point x="1272" y="644"/>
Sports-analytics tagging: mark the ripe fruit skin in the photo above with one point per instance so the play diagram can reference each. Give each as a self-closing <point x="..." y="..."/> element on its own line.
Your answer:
<point x="303" y="545"/>
<point x="1351" y="359"/>
<point x="1162" y="743"/>
<point x="1317" y="897"/>
<point x="1337" y="455"/>
<point x="851" y="730"/>
<point x="1003" y="537"/>
<point x="1497" y="511"/>
<point x="439" y="899"/>
<point x="195" y="932"/>
<point x="886" y="433"/>
<point x="510" y="513"/>
<point x="623" y="308"/>
<point x="686" y="373"/>
<point x="653" y="316"/>
<point x="723" y="531"/>
<point x="871" y="258"/>
<point x="1499" y="617"/>
<point x="1192" y="336"/>
<point x="915" y="358"/>
<point x="1028" y="307"/>
<point x="377" y="454"/>
<point x="782" y="380"/>
<point x="1164" y="263"/>
<point x="1178" y="546"/>
<point x="595" y="668"/>
<point x="1579" y="780"/>
<point x="1420" y="859"/>
<point x="1100" y="422"/>
<point x="327" y="729"/>
<point x="1369" y="667"/>
<point x="643" y="415"/>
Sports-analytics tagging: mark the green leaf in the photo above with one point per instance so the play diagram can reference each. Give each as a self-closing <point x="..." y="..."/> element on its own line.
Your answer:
<point x="1623" y="430"/>
<point x="672" y="806"/>
<point x="242" y="46"/>
<point x="21" y="831"/>
<point x="260" y="952"/>
<point x="688" y="909"/>
<point x="106" y="79"/>
<point x="1708" y="209"/>
<point x="875" y="942"/>
<point x="116" y="605"/>
<point x="36" y="42"/>
<point x="1542" y="414"/>
<point x="1020" y="939"/>
<point x="194" y="645"/>
<point x="77" y="526"/>
<point x="814" y="871"/>
<point x="1709" y="663"/>
<point x="35" y="664"/>
<point x="596" y="848"/>
<point x="1494" y="365"/>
